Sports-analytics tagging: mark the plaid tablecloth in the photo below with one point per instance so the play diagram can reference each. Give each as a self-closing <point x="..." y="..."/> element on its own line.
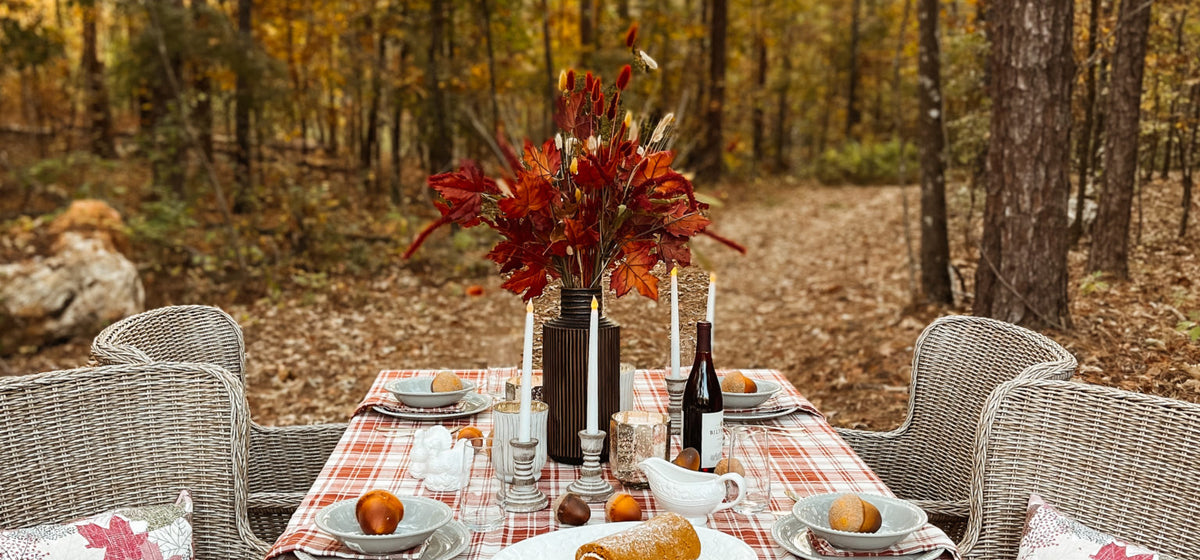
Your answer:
<point x="815" y="460"/>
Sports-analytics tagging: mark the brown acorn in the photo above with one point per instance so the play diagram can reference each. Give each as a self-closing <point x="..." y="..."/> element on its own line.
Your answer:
<point x="570" y="509"/>
<point x="689" y="459"/>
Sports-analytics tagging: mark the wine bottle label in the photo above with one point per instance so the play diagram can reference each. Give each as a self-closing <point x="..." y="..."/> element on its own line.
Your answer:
<point x="712" y="439"/>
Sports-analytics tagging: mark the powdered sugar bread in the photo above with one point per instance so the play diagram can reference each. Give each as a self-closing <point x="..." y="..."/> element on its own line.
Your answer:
<point x="666" y="536"/>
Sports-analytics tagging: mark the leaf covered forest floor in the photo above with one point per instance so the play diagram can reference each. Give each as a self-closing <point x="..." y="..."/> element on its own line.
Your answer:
<point x="823" y="295"/>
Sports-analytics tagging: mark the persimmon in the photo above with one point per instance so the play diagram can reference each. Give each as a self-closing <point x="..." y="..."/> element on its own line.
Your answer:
<point x="468" y="432"/>
<point x="854" y="514"/>
<point x="378" y="512"/>
<point x="622" y="507"/>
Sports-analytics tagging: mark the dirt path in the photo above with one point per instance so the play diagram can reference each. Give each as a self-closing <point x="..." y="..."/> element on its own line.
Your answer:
<point x="822" y="295"/>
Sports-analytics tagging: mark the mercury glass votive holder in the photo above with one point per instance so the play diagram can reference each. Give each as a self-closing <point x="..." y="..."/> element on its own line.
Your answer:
<point x="636" y="435"/>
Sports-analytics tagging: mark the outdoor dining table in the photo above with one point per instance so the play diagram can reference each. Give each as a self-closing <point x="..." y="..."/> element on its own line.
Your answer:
<point x="807" y="457"/>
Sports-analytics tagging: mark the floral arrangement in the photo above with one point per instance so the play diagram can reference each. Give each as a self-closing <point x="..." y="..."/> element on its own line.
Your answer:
<point x="596" y="198"/>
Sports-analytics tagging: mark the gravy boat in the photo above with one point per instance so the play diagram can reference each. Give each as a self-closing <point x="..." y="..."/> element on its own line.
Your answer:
<point x="689" y="493"/>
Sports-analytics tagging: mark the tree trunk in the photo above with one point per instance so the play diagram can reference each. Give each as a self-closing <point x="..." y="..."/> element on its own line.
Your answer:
<point x="202" y="113"/>
<point x="935" y="241"/>
<point x="587" y="38"/>
<point x="758" y="114"/>
<point x="1022" y="273"/>
<point x="1110" y="240"/>
<point x="782" y="127"/>
<point x="244" y="93"/>
<point x="709" y="164"/>
<point x="548" y="112"/>
<point x="440" y="154"/>
<point x="491" y="57"/>
<point x="370" y="144"/>
<point x="1186" y="161"/>
<point x="100" y="131"/>
<point x="853" y="115"/>
<point x="1083" y="150"/>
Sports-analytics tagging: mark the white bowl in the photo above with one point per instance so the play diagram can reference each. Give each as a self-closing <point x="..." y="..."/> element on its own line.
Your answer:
<point x="422" y="516"/>
<point x="750" y="400"/>
<point x="417" y="392"/>
<point x="900" y="518"/>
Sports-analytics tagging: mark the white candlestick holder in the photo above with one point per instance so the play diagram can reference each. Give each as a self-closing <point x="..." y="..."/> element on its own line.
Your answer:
<point x="524" y="496"/>
<point x="675" y="386"/>
<point x="591" y="485"/>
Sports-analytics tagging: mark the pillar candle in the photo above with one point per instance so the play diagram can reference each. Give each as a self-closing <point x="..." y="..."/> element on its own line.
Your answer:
<point x="674" y="322"/>
<point x="525" y="413"/>
<point x="593" y="373"/>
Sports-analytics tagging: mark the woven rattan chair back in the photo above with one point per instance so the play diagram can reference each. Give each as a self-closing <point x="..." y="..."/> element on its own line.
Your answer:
<point x="177" y="333"/>
<point x="79" y="442"/>
<point x="1123" y="463"/>
<point x="957" y="362"/>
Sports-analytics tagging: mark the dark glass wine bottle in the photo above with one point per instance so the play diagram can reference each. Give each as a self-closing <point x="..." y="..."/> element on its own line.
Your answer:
<point x="702" y="407"/>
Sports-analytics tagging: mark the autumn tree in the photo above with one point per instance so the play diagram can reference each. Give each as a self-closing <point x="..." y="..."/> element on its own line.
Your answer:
<point x="935" y="242"/>
<point x="244" y="100"/>
<point x="709" y="165"/>
<point x="100" y="129"/>
<point x="1022" y="273"/>
<point x="1110" y="236"/>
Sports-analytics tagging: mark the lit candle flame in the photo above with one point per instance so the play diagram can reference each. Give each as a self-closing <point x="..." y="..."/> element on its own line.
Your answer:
<point x="594" y="304"/>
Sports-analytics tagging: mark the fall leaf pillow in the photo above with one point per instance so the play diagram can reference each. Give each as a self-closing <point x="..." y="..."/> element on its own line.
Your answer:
<point x="162" y="532"/>
<point x="1050" y="535"/>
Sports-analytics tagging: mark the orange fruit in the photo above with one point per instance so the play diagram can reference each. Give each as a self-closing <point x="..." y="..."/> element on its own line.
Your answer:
<point x="622" y="507"/>
<point x="854" y="514"/>
<point x="378" y="512"/>
<point x="750" y="386"/>
<point x="468" y="432"/>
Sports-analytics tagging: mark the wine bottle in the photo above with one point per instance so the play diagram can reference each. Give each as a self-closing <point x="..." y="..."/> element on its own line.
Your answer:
<point x="702" y="407"/>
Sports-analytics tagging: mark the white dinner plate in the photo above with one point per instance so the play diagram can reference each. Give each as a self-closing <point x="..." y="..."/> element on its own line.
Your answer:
<point x="792" y="535"/>
<point x="561" y="544"/>
<point x="752" y="416"/>
<point x="445" y="543"/>
<point x="473" y="403"/>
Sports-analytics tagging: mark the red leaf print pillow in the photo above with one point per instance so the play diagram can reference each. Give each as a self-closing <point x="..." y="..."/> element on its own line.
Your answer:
<point x="1050" y="535"/>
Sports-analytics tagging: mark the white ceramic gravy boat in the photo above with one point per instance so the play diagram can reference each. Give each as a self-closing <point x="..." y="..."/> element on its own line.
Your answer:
<point x="689" y="493"/>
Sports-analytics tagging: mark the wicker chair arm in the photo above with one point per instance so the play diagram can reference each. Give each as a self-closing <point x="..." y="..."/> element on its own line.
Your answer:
<point x="947" y="509"/>
<point x="287" y="459"/>
<point x="106" y="354"/>
<point x="883" y="452"/>
<point x="276" y="500"/>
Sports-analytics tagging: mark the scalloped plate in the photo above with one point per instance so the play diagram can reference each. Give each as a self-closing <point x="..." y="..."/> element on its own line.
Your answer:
<point x="561" y="544"/>
<point x="792" y="535"/>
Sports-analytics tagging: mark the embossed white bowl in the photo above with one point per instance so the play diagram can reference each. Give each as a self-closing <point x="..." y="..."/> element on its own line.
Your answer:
<point x="766" y="389"/>
<point x="417" y="392"/>
<point x="422" y="516"/>
<point x="899" y="519"/>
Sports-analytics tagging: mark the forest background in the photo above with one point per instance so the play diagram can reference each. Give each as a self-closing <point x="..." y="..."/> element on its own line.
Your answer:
<point x="269" y="157"/>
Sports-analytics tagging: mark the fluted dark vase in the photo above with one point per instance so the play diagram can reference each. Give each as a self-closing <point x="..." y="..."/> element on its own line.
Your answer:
<point x="564" y="373"/>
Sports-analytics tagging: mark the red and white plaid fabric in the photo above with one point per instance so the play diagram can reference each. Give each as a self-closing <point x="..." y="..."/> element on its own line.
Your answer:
<point x="925" y="539"/>
<point x="815" y="460"/>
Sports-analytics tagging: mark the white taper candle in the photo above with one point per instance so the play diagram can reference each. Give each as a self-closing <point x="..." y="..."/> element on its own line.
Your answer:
<point x="593" y="371"/>
<point x="674" y="322"/>
<point x="526" y="410"/>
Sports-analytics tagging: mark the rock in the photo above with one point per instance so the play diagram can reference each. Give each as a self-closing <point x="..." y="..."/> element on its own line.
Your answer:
<point x="82" y="285"/>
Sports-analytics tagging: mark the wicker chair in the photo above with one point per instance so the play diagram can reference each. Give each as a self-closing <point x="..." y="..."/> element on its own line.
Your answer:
<point x="79" y="442"/>
<point x="957" y="362"/>
<point x="284" y="460"/>
<point x="1123" y="463"/>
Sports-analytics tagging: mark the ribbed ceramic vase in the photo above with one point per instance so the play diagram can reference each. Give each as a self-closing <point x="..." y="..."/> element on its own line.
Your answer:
<point x="564" y="373"/>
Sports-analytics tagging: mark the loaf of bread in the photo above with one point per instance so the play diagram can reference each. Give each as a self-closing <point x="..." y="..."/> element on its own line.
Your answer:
<point x="666" y="536"/>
